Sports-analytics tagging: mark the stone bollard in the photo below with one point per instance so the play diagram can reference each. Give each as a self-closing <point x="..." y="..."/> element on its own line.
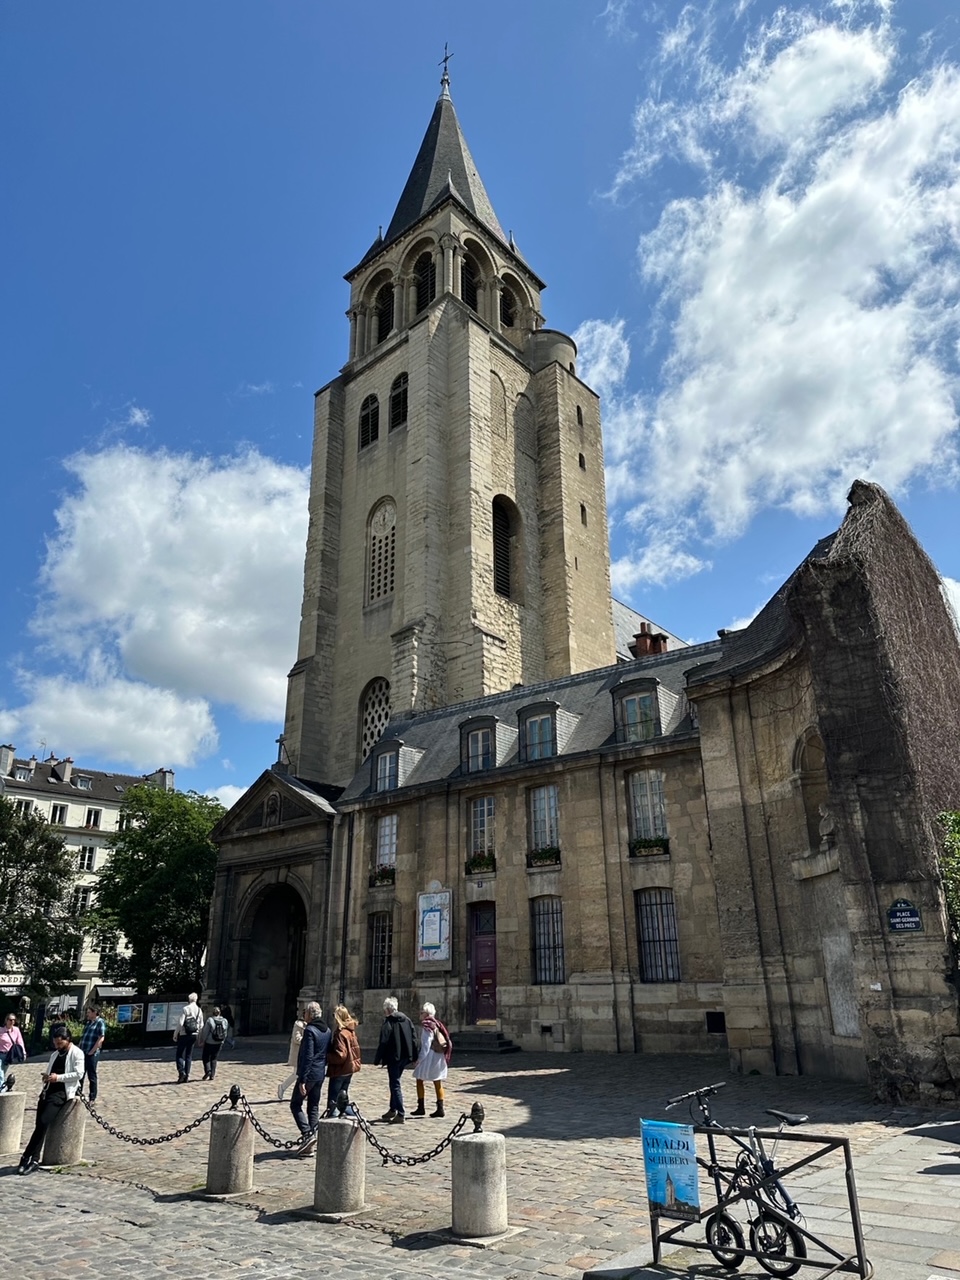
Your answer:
<point x="11" y="1121"/>
<point x="340" y="1182"/>
<point x="230" y="1158"/>
<point x="478" y="1171"/>
<point x="64" y="1141"/>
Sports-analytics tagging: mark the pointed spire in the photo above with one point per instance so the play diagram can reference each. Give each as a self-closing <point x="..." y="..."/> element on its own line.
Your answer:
<point x="443" y="161"/>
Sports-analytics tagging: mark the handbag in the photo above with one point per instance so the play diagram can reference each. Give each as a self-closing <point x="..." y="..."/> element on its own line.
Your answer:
<point x="16" y="1054"/>
<point x="439" y="1042"/>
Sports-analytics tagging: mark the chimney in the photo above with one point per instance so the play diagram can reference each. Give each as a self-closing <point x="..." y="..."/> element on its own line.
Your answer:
<point x="646" y="642"/>
<point x="65" y="769"/>
<point x="162" y="778"/>
<point x="7" y="753"/>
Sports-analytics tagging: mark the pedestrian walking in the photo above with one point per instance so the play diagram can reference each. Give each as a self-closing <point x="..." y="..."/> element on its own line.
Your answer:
<point x="227" y="1011"/>
<point x="436" y="1047"/>
<point x="293" y="1053"/>
<point x="91" y="1042"/>
<point x="12" y="1050"/>
<point x="211" y="1041"/>
<point x="396" y="1050"/>
<point x="343" y="1057"/>
<point x="185" y="1036"/>
<point x="311" y="1068"/>
<point x="60" y="1083"/>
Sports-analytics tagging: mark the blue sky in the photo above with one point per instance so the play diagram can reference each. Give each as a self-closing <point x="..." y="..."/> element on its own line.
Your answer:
<point x="746" y="214"/>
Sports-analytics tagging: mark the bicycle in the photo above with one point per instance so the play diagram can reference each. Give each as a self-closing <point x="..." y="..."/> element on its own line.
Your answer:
<point x="753" y="1179"/>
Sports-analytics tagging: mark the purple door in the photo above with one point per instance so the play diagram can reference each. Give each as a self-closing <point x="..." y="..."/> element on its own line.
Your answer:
<point x="483" y="961"/>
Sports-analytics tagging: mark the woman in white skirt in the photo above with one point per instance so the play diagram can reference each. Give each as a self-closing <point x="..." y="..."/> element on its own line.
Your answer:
<point x="296" y="1035"/>
<point x="435" y="1050"/>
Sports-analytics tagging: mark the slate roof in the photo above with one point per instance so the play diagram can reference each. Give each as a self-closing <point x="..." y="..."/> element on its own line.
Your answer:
<point x="587" y="696"/>
<point x="46" y="782"/>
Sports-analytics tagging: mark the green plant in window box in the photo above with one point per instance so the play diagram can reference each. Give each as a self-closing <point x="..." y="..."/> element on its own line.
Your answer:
<point x="643" y="846"/>
<point x="480" y="862"/>
<point x="383" y="875"/>
<point x="549" y="856"/>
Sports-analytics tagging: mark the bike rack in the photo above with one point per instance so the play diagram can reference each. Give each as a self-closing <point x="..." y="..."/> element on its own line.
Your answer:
<point x="836" y="1262"/>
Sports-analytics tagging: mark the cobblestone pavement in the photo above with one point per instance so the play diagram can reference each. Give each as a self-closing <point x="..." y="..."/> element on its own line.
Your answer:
<point x="575" y="1183"/>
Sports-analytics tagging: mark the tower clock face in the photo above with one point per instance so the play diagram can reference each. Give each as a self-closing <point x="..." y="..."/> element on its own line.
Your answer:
<point x="384" y="518"/>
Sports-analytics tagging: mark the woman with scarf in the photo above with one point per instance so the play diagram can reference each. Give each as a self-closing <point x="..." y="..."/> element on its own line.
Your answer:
<point x="435" y="1050"/>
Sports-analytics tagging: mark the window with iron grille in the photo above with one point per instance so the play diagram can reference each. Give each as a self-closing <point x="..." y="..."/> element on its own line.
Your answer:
<point x="58" y="815"/>
<point x="482" y="811"/>
<point x="387" y="840"/>
<point x="479" y="750"/>
<point x="501" y="549"/>
<point x="380" y="950"/>
<point x="508" y="308"/>
<point x="546" y="937"/>
<point x="647" y="813"/>
<point x="544" y="817"/>
<point x="369" y="421"/>
<point x="374" y="715"/>
<point x="639" y="717"/>
<point x="398" y="401"/>
<point x="87" y="858"/>
<point x="657" y="935"/>
<point x="384" y="306"/>
<point x="539" y="737"/>
<point x="425" y="276"/>
<point x="469" y="280"/>
<point x="93" y="818"/>
<point x="387" y="771"/>
<point x="382" y="552"/>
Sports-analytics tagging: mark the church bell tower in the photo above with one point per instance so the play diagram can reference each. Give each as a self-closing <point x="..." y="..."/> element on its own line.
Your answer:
<point x="458" y="537"/>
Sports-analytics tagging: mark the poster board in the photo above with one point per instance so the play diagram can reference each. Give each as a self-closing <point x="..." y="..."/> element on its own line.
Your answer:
<point x="157" y="1016"/>
<point x="129" y="1013"/>
<point x="670" y="1164"/>
<point x="433" y="926"/>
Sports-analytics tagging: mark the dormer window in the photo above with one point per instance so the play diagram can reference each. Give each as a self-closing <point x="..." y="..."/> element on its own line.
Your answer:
<point x="388" y="771"/>
<point x="636" y="709"/>
<point x="23" y="774"/>
<point x="538" y="732"/>
<point x="479" y="750"/>
<point x="83" y="782"/>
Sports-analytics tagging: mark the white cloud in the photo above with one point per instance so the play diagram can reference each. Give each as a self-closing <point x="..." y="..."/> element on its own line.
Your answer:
<point x="228" y="795"/>
<point x="812" y="310"/>
<point x="246" y="389"/>
<point x="173" y="583"/>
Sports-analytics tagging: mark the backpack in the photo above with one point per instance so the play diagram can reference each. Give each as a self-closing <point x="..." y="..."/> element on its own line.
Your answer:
<point x="219" y="1033"/>
<point x="191" y="1024"/>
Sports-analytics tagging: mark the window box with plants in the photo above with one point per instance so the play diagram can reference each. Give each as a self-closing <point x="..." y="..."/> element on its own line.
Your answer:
<point x="383" y="875"/>
<point x="649" y="846"/>
<point x="546" y="857"/>
<point x="478" y="862"/>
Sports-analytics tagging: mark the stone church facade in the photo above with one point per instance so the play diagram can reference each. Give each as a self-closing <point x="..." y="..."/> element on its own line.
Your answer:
<point x="500" y="791"/>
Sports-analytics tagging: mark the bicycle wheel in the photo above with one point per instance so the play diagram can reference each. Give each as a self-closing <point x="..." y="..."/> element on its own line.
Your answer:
<point x="725" y="1240"/>
<point x="780" y="1241"/>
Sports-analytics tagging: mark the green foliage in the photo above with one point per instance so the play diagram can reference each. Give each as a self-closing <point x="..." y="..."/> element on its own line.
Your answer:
<point x="950" y="868"/>
<point x="157" y="887"/>
<point x="37" y="935"/>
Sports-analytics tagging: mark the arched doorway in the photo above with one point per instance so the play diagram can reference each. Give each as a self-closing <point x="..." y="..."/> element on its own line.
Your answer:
<point x="275" y="954"/>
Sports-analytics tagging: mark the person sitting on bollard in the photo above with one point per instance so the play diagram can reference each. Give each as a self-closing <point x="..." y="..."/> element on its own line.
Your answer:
<point x="12" y="1049"/>
<point x="435" y="1050"/>
<point x="396" y="1050"/>
<point x="211" y="1041"/>
<point x="91" y="1042"/>
<point x="185" y="1036"/>
<point x="311" y="1068"/>
<point x="60" y="1083"/>
<point x="343" y="1058"/>
<point x="296" y="1035"/>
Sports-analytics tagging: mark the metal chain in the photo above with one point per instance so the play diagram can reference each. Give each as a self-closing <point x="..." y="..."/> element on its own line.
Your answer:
<point x="151" y="1142"/>
<point x="268" y="1137"/>
<point x="389" y="1157"/>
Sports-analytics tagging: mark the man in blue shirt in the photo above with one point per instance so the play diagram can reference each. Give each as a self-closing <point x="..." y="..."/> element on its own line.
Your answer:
<point x="91" y="1042"/>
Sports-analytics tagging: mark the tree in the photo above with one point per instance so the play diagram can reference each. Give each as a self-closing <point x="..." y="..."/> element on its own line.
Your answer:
<point x="950" y="869"/>
<point x="157" y="887"/>
<point x="37" y="935"/>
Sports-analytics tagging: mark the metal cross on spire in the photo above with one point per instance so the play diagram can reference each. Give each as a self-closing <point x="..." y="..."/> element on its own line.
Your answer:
<point x="445" y="78"/>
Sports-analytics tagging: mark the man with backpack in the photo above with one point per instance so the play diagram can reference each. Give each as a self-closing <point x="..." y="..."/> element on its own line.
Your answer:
<point x="185" y="1037"/>
<point x="211" y="1041"/>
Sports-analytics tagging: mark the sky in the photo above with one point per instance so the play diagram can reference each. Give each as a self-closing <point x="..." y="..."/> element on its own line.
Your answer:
<point x="747" y="214"/>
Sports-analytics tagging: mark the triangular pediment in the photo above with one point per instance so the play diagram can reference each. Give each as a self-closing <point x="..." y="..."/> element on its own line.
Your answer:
<point x="276" y="800"/>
